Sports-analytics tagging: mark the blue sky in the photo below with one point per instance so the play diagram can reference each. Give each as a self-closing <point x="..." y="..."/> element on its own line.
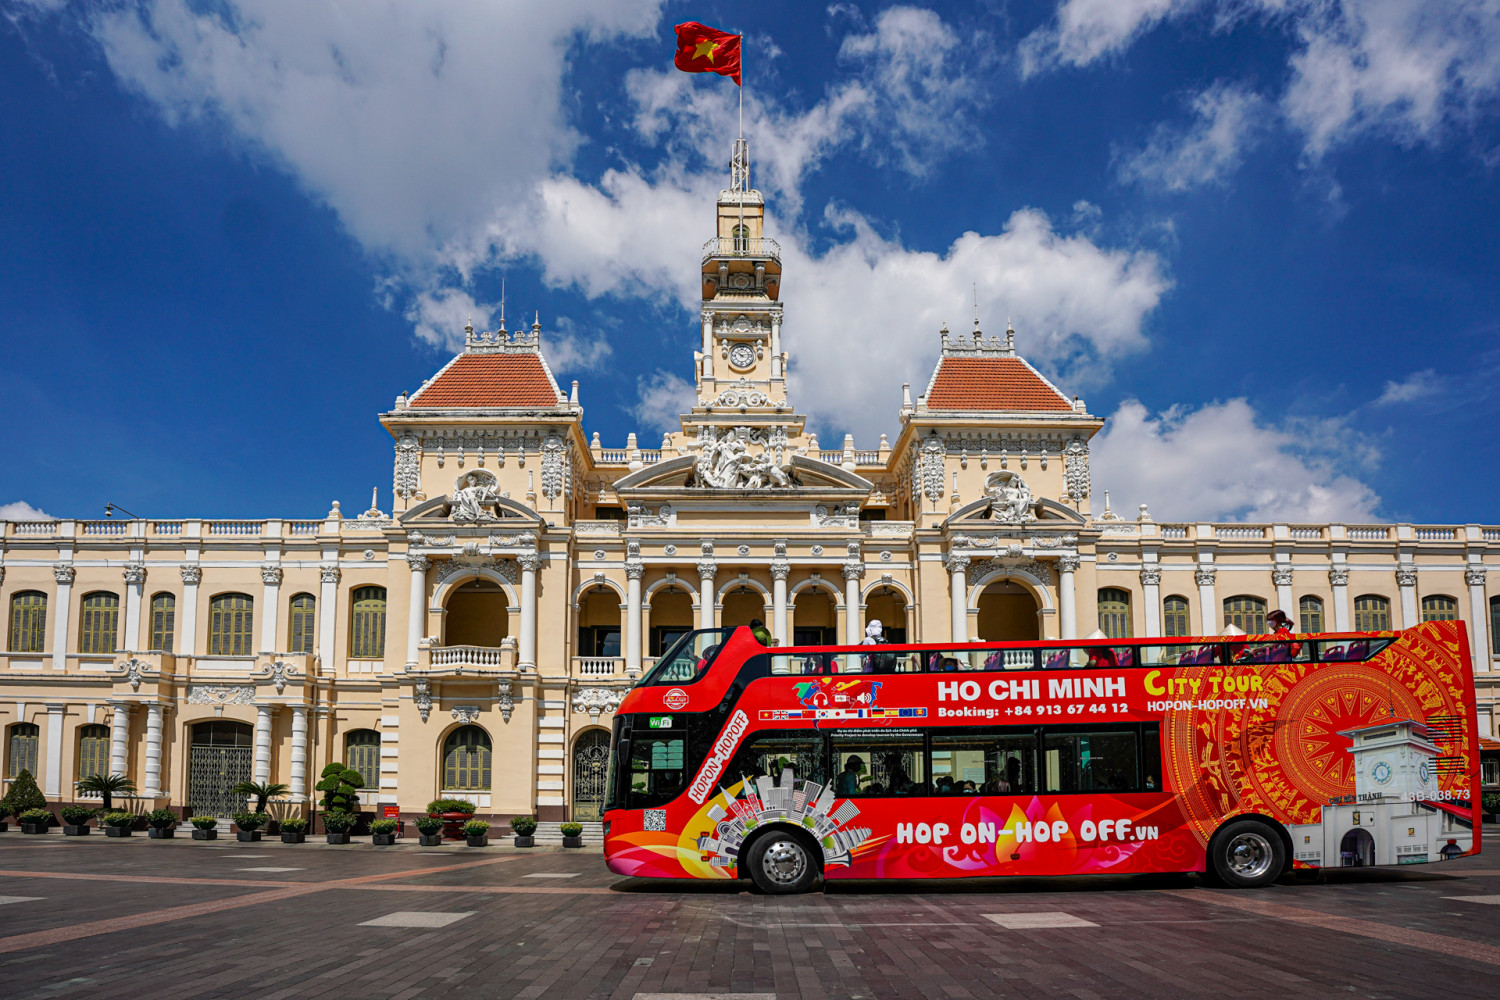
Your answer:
<point x="1258" y="236"/>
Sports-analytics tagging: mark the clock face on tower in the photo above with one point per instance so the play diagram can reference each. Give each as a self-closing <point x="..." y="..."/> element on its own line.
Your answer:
<point x="742" y="355"/>
<point x="1381" y="772"/>
<point x="1424" y="772"/>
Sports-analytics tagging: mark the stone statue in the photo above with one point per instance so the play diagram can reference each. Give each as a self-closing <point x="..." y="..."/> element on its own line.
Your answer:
<point x="1010" y="498"/>
<point x="726" y="463"/>
<point x="473" y="491"/>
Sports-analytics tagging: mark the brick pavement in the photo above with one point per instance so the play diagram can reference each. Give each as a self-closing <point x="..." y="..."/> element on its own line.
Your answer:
<point x="185" y="920"/>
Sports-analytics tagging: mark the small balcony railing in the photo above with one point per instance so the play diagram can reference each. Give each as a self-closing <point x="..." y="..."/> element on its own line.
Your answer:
<point x="762" y="248"/>
<point x="598" y="666"/>
<point x="481" y="657"/>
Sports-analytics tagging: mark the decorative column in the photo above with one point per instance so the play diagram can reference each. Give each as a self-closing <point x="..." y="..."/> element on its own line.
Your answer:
<point x="1208" y="604"/>
<point x="299" y="753"/>
<point x="1478" y="618"/>
<point x="633" y="573"/>
<point x="270" y="601"/>
<point x="328" y="605"/>
<point x="1067" y="596"/>
<point x="853" y="626"/>
<point x="1339" y="580"/>
<point x="263" y="742"/>
<point x="153" y="750"/>
<point x="1281" y="576"/>
<point x="707" y="596"/>
<point x="958" y="567"/>
<point x="52" y="784"/>
<point x="708" y="342"/>
<point x="416" y="605"/>
<point x="63" y="573"/>
<point x="135" y="580"/>
<point x="779" y="572"/>
<point x="526" y="653"/>
<point x="186" y="642"/>
<point x="1151" y="597"/>
<point x="119" y="738"/>
<point x="1406" y="580"/>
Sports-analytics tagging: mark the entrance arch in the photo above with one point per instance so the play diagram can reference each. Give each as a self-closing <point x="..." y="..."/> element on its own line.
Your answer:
<point x="888" y="604"/>
<point x="590" y="766"/>
<point x="478" y="614"/>
<point x="599" y="622"/>
<point x="221" y="754"/>
<point x="1357" y="849"/>
<point x="742" y="601"/>
<point x="671" y="616"/>
<point x="815" y="618"/>
<point x="1007" y="612"/>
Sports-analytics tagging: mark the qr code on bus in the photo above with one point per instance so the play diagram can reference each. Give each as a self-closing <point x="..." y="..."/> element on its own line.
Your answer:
<point x="656" y="821"/>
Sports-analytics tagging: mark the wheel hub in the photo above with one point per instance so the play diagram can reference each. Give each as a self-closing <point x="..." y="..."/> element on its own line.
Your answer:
<point x="1249" y="855"/>
<point x="784" y="862"/>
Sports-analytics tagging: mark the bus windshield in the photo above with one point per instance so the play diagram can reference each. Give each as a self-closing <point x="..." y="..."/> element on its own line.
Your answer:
<point x="688" y="659"/>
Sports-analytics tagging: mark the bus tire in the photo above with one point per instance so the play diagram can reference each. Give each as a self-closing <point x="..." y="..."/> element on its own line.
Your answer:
<point x="1246" y="854"/>
<point x="782" y="861"/>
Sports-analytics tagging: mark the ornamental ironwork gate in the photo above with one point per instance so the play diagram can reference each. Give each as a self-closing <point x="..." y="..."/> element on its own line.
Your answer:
<point x="219" y="758"/>
<point x="590" y="766"/>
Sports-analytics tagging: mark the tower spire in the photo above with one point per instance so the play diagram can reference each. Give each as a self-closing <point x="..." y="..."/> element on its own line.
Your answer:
<point x="502" y="305"/>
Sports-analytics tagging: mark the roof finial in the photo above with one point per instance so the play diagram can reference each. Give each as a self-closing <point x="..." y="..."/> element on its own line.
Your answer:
<point x="1010" y="337"/>
<point x="976" y="306"/>
<point x="502" y="305"/>
<point x="536" y="324"/>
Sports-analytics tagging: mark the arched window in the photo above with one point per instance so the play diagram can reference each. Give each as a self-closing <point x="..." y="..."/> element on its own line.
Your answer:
<point x="1372" y="613"/>
<point x="21" y="748"/>
<point x="741" y="239"/>
<point x="99" y="622"/>
<point x="163" y="622"/>
<point x="1439" y="608"/>
<point x="230" y="620"/>
<point x="303" y="631"/>
<point x="93" y="751"/>
<point x="28" y="622"/>
<point x="1246" y="613"/>
<point x="367" y="629"/>
<point x="467" y="757"/>
<point x="1310" y="614"/>
<point x="362" y="753"/>
<point x="1114" y="612"/>
<point x="1174" y="616"/>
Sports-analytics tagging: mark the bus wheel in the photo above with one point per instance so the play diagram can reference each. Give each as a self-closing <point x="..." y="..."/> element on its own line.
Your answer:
<point x="1246" y="854"/>
<point x="780" y="862"/>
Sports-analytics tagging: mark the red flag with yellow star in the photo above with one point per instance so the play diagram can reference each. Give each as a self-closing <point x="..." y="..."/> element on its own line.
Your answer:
<point x="701" y="49"/>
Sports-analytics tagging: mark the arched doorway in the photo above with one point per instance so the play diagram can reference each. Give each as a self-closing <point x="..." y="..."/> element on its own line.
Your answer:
<point x="887" y="604"/>
<point x="478" y="615"/>
<point x="742" y="604"/>
<point x="1357" y="849"/>
<point x="814" y="618"/>
<point x="671" y="617"/>
<point x="220" y="756"/>
<point x="1007" y="613"/>
<point x="599" y="622"/>
<point x="590" y="767"/>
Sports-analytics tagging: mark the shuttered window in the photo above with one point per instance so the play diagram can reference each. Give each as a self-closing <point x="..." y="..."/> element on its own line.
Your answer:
<point x="1439" y="608"/>
<point x="367" y="630"/>
<point x="163" y="622"/>
<point x="99" y="622"/>
<point x="1174" y="616"/>
<point x="1310" y="613"/>
<point x="231" y="618"/>
<point x="303" y="624"/>
<point x="467" y="759"/>
<point x="1372" y="613"/>
<point x="1114" y="612"/>
<point x="362" y="754"/>
<point x="28" y="622"/>
<point x="21" y="748"/>
<point x="93" y="751"/>
<point x="1246" y="613"/>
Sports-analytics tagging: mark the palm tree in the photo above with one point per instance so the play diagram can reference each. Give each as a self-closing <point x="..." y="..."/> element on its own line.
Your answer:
<point x="106" y="785"/>
<point x="262" y="790"/>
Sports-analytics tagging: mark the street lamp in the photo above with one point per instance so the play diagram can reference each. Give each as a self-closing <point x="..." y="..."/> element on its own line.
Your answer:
<point x="110" y="508"/>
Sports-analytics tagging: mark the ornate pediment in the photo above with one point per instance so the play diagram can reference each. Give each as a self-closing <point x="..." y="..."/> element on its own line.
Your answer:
<point x="1011" y="507"/>
<point x="475" y="501"/>
<point x="684" y="477"/>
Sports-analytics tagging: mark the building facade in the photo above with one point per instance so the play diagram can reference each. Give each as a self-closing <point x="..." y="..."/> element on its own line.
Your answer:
<point x="475" y="641"/>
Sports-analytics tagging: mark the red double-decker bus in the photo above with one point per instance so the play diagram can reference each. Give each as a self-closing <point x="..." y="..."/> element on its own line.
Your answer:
<point x="1238" y="757"/>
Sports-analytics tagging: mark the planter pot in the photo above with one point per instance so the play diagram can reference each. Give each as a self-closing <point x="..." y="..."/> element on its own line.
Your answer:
<point x="161" y="832"/>
<point x="205" y="834"/>
<point x="293" y="838"/>
<point x="76" y="831"/>
<point x="383" y="839"/>
<point x="338" y="838"/>
<point x="4" y="827"/>
<point x="478" y="841"/>
<point x="525" y="841"/>
<point x="573" y="841"/>
<point x="453" y="824"/>
<point x="247" y="836"/>
<point x="33" y="827"/>
<point x="117" y="831"/>
<point x="430" y="839"/>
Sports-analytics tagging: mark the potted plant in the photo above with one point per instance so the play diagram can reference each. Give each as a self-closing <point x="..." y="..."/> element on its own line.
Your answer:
<point x="34" y="820"/>
<point x="572" y="834"/>
<point x="429" y="831"/>
<point x="76" y="820"/>
<point x="293" y="830"/>
<point x="454" y="813"/>
<point x="106" y="786"/>
<point x="523" y="827"/>
<point x="474" y="832"/>
<point x="118" y="823"/>
<point x="249" y="824"/>
<point x="24" y="796"/>
<point x="205" y="827"/>
<point x="4" y="812"/>
<point x="161" y="824"/>
<point x="338" y="824"/>
<point x="384" y="831"/>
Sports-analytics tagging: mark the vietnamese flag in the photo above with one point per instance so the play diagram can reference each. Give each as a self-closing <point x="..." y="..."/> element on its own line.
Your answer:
<point x="701" y="49"/>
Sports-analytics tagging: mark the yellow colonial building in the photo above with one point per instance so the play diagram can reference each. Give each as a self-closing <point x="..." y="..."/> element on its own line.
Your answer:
<point x="475" y="641"/>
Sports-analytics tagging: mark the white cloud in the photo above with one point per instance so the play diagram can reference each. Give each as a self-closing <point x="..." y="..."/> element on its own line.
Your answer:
<point x="20" y="510"/>
<point x="1222" y="461"/>
<point x="439" y="316"/>
<point x="570" y="349"/>
<point x="663" y="395"/>
<point x="1226" y="119"/>
<point x="1087" y="30"/>
<point x="1419" y="385"/>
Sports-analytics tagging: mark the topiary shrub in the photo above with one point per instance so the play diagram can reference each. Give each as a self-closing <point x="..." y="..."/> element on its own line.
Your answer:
<point x="438" y="806"/>
<point x="295" y="824"/>
<point x="161" y="819"/>
<point x="205" y="822"/>
<point x="250" y="821"/>
<point x="524" y="826"/>
<point x="24" y="794"/>
<point x="340" y="786"/>
<point x="119" y="819"/>
<point x="429" y="824"/>
<point x="76" y="815"/>
<point x="572" y="829"/>
<point x="384" y="825"/>
<point x="339" y="821"/>
<point x="476" y="828"/>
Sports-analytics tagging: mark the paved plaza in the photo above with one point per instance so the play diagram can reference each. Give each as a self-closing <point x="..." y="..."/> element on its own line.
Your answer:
<point x="175" y="919"/>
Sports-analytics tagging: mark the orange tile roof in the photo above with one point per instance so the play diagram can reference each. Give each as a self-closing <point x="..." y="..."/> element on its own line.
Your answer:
<point x="490" y="380"/>
<point x="992" y="384"/>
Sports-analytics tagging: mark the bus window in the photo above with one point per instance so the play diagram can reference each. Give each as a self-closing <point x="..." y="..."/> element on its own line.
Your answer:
<point x="995" y="763"/>
<point x="799" y="664"/>
<point x="689" y="659"/>
<point x="878" y="764"/>
<point x="1094" y="761"/>
<point x="657" y="774"/>
<point x="1151" y="757"/>
<point x="769" y="754"/>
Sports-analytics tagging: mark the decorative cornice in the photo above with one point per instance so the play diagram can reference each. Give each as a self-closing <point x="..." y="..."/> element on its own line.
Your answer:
<point x="1474" y="577"/>
<point x="1406" y="576"/>
<point x="1281" y="576"/>
<point x="64" y="573"/>
<point x="192" y="574"/>
<point x="1338" y="577"/>
<point x="134" y="573"/>
<point x="331" y="573"/>
<point x="1150" y="577"/>
<point x="271" y="576"/>
<point x="1205" y="577"/>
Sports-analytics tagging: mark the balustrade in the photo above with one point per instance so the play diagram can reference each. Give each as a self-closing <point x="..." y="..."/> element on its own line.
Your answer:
<point x="597" y="666"/>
